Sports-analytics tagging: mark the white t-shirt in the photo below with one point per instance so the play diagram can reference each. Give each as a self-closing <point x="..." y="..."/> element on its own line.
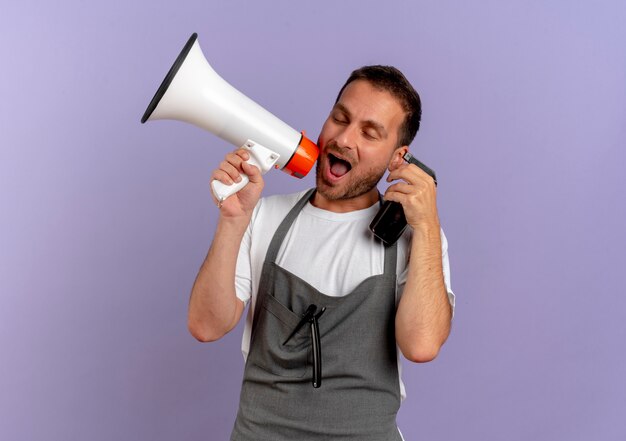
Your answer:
<point x="333" y="252"/>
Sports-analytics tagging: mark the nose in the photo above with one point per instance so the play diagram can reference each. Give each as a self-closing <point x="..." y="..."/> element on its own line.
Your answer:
<point x="347" y="137"/>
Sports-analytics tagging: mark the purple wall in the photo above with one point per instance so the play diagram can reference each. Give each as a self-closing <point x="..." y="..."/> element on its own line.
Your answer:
<point x="104" y="221"/>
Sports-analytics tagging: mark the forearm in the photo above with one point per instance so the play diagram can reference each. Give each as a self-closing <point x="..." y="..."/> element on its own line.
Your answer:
<point x="424" y="312"/>
<point x="214" y="308"/>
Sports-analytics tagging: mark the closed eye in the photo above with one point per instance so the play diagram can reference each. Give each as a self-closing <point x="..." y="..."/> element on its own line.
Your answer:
<point x="340" y="114"/>
<point x="370" y="135"/>
<point x="340" y="117"/>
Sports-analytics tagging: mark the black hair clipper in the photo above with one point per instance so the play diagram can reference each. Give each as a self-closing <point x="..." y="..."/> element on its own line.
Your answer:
<point x="389" y="222"/>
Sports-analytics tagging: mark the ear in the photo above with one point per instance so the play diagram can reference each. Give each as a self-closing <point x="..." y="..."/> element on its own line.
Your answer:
<point x="397" y="157"/>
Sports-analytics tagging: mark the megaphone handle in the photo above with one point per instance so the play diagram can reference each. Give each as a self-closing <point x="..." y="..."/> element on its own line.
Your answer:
<point x="261" y="157"/>
<point x="222" y="191"/>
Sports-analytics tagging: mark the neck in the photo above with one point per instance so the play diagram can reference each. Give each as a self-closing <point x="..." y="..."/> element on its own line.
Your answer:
<point x="361" y="202"/>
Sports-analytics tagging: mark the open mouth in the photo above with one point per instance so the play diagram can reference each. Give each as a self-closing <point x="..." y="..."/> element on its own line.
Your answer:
<point x="338" y="167"/>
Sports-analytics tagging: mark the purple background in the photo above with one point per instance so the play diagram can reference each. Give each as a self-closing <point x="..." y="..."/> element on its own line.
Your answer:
<point x="104" y="221"/>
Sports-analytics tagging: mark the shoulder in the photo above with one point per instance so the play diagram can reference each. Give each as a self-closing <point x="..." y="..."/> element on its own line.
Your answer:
<point x="280" y="201"/>
<point x="270" y="210"/>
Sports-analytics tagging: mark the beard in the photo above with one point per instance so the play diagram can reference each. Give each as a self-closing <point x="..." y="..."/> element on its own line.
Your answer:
<point x="355" y="183"/>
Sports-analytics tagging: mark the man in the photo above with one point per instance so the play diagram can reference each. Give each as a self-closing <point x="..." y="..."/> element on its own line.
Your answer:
<point x="309" y="259"/>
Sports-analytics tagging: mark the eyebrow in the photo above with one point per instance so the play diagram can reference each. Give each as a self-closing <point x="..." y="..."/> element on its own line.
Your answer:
<point x="369" y="122"/>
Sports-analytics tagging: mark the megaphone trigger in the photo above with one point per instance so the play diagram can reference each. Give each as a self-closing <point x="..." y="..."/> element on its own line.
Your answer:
<point x="260" y="156"/>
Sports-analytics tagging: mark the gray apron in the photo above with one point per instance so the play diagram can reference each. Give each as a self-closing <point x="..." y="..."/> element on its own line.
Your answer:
<point x="359" y="395"/>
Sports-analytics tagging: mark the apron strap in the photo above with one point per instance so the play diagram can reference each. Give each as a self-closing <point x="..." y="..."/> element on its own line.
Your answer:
<point x="391" y="259"/>
<point x="391" y="254"/>
<point x="283" y="228"/>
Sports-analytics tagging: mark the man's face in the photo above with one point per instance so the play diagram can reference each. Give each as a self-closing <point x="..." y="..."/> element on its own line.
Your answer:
<point x="357" y="141"/>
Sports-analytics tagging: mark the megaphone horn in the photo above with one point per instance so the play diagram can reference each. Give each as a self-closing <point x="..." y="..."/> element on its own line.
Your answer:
<point x="193" y="92"/>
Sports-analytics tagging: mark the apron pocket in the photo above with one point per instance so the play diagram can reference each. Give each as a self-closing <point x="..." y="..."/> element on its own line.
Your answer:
<point x="275" y="323"/>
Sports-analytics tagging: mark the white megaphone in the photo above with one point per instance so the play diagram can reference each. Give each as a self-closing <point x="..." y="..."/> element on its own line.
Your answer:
<point x="193" y="92"/>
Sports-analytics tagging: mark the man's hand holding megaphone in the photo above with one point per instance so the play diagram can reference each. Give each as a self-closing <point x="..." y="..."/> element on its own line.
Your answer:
<point x="241" y="204"/>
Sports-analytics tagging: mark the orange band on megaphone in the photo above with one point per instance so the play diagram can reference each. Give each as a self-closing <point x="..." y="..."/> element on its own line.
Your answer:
<point x="303" y="159"/>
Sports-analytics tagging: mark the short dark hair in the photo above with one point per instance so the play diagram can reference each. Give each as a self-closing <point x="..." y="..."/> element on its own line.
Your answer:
<point x="390" y="79"/>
